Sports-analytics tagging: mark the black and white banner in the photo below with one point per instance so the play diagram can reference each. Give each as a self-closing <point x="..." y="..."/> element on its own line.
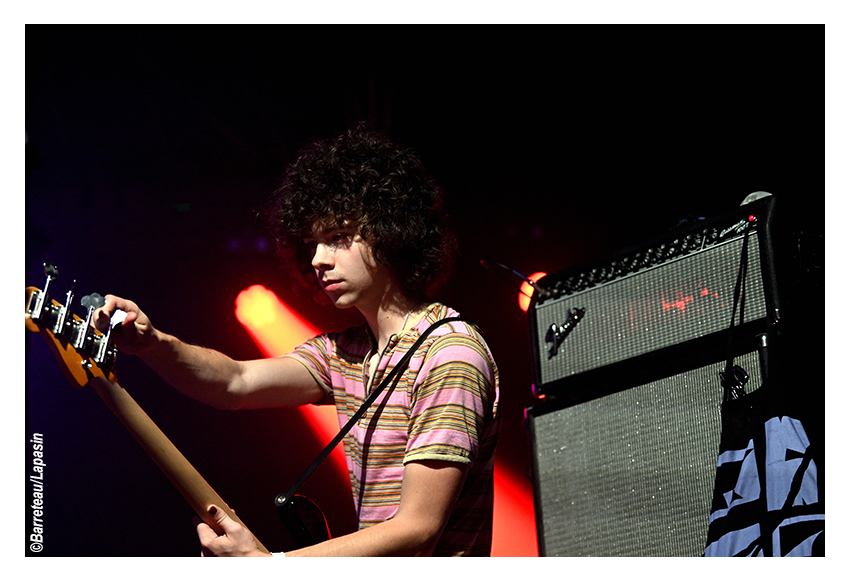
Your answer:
<point x="768" y="496"/>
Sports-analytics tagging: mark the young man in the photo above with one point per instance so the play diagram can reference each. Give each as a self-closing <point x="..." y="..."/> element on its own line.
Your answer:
<point x="360" y="218"/>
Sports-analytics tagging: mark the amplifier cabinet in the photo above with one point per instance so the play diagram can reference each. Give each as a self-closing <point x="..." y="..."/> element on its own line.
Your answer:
<point x="631" y="472"/>
<point x="626" y="354"/>
<point x="644" y="300"/>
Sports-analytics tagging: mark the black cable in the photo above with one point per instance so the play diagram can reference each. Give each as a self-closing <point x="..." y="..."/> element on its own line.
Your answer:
<point x="733" y="377"/>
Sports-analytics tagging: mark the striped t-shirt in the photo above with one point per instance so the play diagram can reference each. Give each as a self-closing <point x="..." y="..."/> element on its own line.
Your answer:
<point x="444" y="406"/>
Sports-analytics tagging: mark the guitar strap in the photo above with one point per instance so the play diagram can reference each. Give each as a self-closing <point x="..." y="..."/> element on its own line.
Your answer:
<point x="282" y="500"/>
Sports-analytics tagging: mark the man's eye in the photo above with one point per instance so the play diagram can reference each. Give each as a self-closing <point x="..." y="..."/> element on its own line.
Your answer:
<point x="340" y="238"/>
<point x="334" y="241"/>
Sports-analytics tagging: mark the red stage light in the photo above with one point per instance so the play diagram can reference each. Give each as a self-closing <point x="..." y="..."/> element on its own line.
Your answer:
<point x="514" y="523"/>
<point x="526" y="290"/>
<point x="275" y="327"/>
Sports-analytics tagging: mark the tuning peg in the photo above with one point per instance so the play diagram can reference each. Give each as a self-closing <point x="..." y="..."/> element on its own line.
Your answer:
<point x="105" y="350"/>
<point x="51" y="270"/>
<point x="62" y="317"/>
<point x="118" y="317"/>
<point x="41" y="299"/>
<point x="90" y="302"/>
<point x="93" y="301"/>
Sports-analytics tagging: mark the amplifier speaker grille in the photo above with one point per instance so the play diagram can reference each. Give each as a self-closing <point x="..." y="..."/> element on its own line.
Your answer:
<point x="631" y="473"/>
<point x="665" y="306"/>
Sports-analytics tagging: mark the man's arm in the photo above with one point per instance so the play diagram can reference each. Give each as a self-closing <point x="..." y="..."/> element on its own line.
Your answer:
<point x="429" y="492"/>
<point x="205" y="374"/>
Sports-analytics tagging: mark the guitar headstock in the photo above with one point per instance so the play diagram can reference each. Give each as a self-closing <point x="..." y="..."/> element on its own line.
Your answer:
<point x="82" y="351"/>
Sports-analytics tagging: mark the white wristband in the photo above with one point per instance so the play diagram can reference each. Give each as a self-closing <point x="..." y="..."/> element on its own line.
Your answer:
<point x="278" y="554"/>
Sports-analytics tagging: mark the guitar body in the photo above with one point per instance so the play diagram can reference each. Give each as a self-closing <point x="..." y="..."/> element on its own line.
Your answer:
<point x="87" y="358"/>
<point x="304" y="521"/>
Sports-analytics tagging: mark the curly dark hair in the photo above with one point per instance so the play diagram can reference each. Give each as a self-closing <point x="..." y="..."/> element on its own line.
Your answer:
<point x="362" y="178"/>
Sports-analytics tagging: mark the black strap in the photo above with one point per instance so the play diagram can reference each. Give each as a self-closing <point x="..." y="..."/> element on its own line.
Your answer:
<point x="281" y="500"/>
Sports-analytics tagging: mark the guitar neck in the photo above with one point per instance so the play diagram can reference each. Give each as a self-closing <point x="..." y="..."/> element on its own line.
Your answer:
<point x="185" y="478"/>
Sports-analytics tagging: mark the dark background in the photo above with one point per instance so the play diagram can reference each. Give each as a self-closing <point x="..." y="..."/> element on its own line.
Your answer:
<point x="149" y="150"/>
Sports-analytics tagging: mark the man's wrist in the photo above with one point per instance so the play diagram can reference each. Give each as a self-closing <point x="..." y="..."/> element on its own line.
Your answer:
<point x="152" y="345"/>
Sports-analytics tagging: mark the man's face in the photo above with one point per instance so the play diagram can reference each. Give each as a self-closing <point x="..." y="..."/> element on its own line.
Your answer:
<point x="345" y="266"/>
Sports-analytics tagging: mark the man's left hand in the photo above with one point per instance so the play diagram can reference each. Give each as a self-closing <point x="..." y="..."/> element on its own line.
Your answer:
<point x="236" y="540"/>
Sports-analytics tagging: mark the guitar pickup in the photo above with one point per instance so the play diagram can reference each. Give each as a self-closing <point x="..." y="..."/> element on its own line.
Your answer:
<point x="556" y="334"/>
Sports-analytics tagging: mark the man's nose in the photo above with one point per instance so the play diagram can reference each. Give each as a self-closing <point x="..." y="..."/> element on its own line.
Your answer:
<point x="322" y="257"/>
